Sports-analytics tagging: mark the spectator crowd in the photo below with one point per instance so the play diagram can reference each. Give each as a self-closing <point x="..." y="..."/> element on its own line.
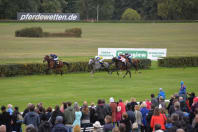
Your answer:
<point x="179" y="114"/>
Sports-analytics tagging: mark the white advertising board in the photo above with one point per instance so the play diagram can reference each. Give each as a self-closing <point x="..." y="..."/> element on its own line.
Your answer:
<point x="139" y="53"/>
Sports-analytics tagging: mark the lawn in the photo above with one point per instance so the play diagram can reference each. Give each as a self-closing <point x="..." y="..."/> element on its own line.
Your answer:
<point x="180" y="39"/>
<point x="54" y="89"/>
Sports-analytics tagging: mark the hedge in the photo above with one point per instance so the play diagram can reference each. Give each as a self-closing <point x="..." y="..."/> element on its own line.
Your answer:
<point x="38" y="32"/>
<point x="178" y="62"/>
<point x="10" y="70"/>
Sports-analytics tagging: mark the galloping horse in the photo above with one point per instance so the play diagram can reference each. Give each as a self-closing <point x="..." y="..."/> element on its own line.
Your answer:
<point x="51" y="64"/>
<point x="120" y="66"/>
<point x="94" y="65"/>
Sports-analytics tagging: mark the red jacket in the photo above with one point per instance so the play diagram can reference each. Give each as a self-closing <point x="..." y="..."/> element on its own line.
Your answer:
<point x="114" y="110"/>
<point x="161" y="119"/>
<point x="123" y="107"/>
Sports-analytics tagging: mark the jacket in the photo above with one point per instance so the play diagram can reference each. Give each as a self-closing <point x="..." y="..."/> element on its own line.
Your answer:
<point x="144" y="112"/>
<point x="59" y="128"/>
<point x="78" y="116"/>
<point x="32" y="118"/>
<point x="114" y="109"/>
<point x="69" y="115"/>
<point x="161" y="119"/>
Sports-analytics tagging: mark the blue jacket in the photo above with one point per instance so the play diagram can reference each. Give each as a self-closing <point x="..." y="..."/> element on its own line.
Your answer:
<point x="53" y="55"/>
<point x="162" y="93"/>
<point x="78" y="116"/>
<point x="144" y="112"/>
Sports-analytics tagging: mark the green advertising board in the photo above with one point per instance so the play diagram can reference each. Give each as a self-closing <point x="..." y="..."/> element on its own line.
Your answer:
<point x="135" y="54"/>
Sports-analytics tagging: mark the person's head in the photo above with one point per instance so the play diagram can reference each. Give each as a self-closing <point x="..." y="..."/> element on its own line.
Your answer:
<point x="133" y="99"/>
<point x="161" y="98"/>
<point x="122" y="127"/>
<point x="85" y="109"/>
<point x="111" y="100"/>
<point x="32" y="107"/>
<point x="124" y="115"/>
<point x="143" y="105"/>
<point x="97" y="125"/>
<point x="92" y="104"/>
<point x="180" y="130"/>
<point x="3" y="108"/>
<point x="115" y="129"/>
<point x="57" y="108"/>
<point x="45" y="126"/>
<point x="177" y="105"/>
<point x="160" y="89"/>
<point x="2" y="128"/>
<point x="181" y="98"/>
<point x="120" y="100"/>
<point x="59" y="120"/>
<point x="76" y="128"/>
<point x="168" y="120"/>
<point x="103" y="101"/>
<point x="49" y="109"/>
<point x="16" y="108"/>
<point x="108" y="119"/>
<point x="30" y="128"/>
<point x="174" y="117"/>
<point x="152" y="96"/>
<point x="157" y="126"/>
<point x="85" y="103"/>
<point x="182" y="83"/>
<point x="9" y="106"/>
<point x="99" y="101"/>
<point x="69" y="104"/>
<point x="156" y="111"/>
<point x="137" y="107"/>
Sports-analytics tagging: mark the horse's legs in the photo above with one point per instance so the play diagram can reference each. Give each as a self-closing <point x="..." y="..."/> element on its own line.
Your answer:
<point x="130" y="73"/>
<point x="125" y="74"/>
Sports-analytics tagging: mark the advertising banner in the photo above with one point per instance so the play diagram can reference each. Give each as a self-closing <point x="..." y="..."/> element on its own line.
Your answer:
<point x="139" y="53"/>
<point x="48" y="16"/>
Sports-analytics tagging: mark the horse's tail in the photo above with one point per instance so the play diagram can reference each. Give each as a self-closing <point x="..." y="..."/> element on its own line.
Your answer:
<point x="67" y="64"/>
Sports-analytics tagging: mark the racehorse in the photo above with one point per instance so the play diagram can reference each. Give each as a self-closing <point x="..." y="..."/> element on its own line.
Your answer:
<point x="52" y="65"/>
<point x="135" y="63"/>
<point x="121" y="66"/>
<point x="95" y="65"/>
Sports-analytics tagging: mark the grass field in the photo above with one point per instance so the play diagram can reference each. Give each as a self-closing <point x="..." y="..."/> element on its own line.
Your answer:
<point x="179" y="38"/>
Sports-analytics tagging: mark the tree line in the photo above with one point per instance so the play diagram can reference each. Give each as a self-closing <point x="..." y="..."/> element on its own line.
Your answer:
<point x="105" y="9"/>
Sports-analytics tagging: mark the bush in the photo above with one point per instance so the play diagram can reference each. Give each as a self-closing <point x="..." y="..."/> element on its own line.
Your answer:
<point x="29" y="32"/>
<point x="38" y="32"/>
<point x="76" y="31"/>
<point x="130" y="14"/>
<point x="32" y="69"/>
<point x="178" y="62"/>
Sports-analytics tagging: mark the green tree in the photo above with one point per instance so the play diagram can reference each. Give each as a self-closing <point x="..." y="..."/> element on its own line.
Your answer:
<point x="162" y="9"/>
<point x="130" y="14"/>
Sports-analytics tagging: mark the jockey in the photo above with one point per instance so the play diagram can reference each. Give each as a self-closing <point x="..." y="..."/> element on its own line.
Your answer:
<point x="55" y="58"/>
<point x="128" y="56"/>
<point x="100" y="60"/>
<point x="122" y="58"/>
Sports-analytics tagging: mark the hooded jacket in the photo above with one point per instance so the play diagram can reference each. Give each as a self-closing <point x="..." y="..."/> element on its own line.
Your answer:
<point x="32" y="118"/>
<point x="69" y="115"/>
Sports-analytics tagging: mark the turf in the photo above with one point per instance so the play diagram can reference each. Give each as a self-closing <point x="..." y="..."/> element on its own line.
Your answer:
<point x="55" y="89"/>
<point x="179" y="38"/>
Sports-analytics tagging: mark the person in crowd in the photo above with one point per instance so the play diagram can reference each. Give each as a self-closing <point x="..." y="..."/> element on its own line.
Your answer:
<point x="27" y="109"/>
<point x="161" y="93"/>
<point x="123" y="107"/>
<point x="190" y="98"/>
<point x="178" y="110"/>
<point x="138" y="117"/>
<point x="148" y="104"/>
<point x="85" y="119"/>
<point x="32" y="118"/>
<point x="131" y="114"/>
<point x="144" y="111"/>
<point x="149" y="116"/>
<point x="5" y="119"/>
<point x="45" y="126"/>
<point x="195" y="123"/>
<point x="133" y="103"/>
<point x="100" y="112"/>
<point x="154" y="101"/>
<point x="118" y="114"/>
<point x="10" y="110"/>
<point x="48" y="113"/>
<point x="42" y="114"/>
<point x="180" y="130"/>
<point x="125" y="120"/>
<point x="63" y="107"/>
<point x="69" y="115"/>
<point x="158" y="118"/>
<point x="78" y="115"/>
<point x="182" y="91"/>
<point x="183" y="105"/>
<point x="97" y="127"/>
<point x="17" y="120"/>
<point x="162" y="103"/>
<point x="107" y="108"/>
<point x="59" y="126"/>
<point x="56" y="113"/>
<point x="93" y="115"/>
<point x="115" y="129"/>
<point x="113" y="106"/>
<point x="108" y="124"/>
<point x="169" y="123"/>
<point x="195" y="104"/>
